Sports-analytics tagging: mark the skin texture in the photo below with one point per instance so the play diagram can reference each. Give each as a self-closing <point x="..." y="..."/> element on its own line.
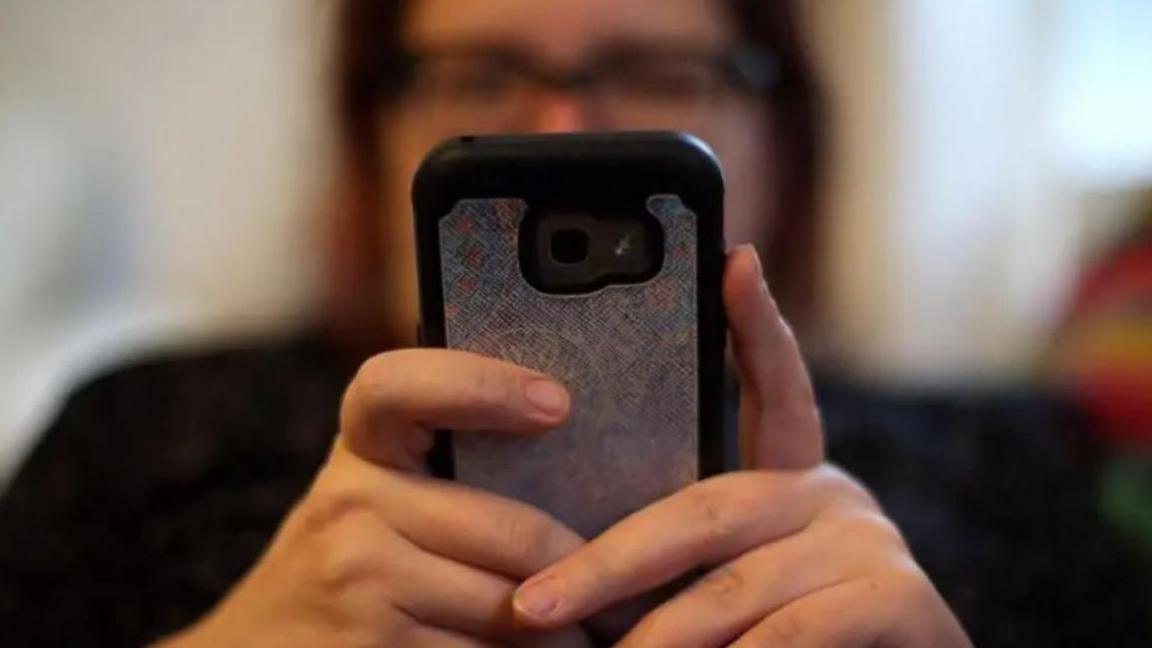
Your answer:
<point x="793" y="552"/>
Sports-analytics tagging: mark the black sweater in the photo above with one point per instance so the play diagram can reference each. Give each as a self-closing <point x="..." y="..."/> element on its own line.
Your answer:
<point x="160" y="483"/>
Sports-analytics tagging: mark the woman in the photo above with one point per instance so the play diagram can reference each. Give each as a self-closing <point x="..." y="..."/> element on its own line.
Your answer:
<point x="159" y="486"/>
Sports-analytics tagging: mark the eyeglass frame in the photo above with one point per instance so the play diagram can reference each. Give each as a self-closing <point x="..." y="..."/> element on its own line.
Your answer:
<point x="749" y="69"/>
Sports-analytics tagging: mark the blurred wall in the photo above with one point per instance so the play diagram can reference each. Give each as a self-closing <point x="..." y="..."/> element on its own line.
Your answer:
<point x="938" y="192"/>
<point x="974" y="145"/>
<point x="160" y="165"/>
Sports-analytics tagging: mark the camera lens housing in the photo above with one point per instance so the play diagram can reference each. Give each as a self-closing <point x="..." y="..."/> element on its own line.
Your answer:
<point x="580" y="251"/>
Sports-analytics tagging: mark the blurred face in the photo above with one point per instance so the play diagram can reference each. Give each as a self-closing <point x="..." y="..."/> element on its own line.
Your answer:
<point x="566" y="65"/>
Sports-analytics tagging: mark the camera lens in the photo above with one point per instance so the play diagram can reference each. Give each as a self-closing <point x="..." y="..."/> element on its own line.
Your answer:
<point x="569" y="246"/>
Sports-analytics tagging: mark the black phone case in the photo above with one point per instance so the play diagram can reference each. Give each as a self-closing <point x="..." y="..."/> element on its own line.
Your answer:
<point x="644" y="362"/>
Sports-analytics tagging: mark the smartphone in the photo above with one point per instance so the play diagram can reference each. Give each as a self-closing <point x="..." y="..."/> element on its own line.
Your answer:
<point x="596" y="258"/>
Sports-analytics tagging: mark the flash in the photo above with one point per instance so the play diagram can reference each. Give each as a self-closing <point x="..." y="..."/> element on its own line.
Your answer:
<point x="623" y="246"/>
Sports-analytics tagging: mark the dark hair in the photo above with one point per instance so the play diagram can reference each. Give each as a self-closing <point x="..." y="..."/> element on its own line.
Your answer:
<point x="369" y="38"/>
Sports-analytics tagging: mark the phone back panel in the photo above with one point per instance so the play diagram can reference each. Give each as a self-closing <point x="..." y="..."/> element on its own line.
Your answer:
<point x="628" y="354"/>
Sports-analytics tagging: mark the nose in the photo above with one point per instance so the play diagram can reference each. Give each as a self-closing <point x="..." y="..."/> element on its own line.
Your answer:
<point x="561" y="112"/>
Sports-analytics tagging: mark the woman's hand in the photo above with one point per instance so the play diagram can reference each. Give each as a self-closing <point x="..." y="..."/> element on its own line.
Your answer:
<point x="799" y="553"/>
<point x="377" y="553"/>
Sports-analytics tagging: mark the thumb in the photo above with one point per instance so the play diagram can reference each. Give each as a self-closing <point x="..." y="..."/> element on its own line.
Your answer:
<point x="779" y="422"/>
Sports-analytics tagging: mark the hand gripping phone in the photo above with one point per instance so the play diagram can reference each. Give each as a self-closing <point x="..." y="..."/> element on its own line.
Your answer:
<point x="598" y="259"/>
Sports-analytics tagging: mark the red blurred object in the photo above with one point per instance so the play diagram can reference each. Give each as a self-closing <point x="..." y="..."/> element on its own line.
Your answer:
<point x="1104" y="351"/>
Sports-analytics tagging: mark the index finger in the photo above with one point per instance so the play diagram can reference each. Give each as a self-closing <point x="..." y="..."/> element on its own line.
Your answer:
<point x="704" y="524"/>
<point x="398" y="399"/>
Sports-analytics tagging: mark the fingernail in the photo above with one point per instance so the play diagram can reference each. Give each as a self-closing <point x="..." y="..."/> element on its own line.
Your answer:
<point x="547" y="396"/>
<point x="536" y="600"/>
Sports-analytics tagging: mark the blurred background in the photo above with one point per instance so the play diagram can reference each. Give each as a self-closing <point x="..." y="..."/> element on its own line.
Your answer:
<point x="162" y="164"/>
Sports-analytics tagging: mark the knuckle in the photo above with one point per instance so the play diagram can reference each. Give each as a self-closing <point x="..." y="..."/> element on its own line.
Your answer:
<point x="731" y="505"/>
<point x="783" y="629"/>
<point x="378" y="375"/>
<point x="866" y="526"/>
<point x="724" y="584"/>
<point x="839" y="486"/>
<point x="335" y="528"/>
<point x="530" y="536"/>
<point x="346" y="566"/>
<point x="370" y="388"/>
<point x="434" y="513"/>
<point x="717" y="512"/>
<point x="328" y="507"/>
<point x="402" y="628"/>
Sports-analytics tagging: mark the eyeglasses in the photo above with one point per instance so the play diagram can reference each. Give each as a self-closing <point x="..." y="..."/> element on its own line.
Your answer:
<point x="491" y="89"/>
